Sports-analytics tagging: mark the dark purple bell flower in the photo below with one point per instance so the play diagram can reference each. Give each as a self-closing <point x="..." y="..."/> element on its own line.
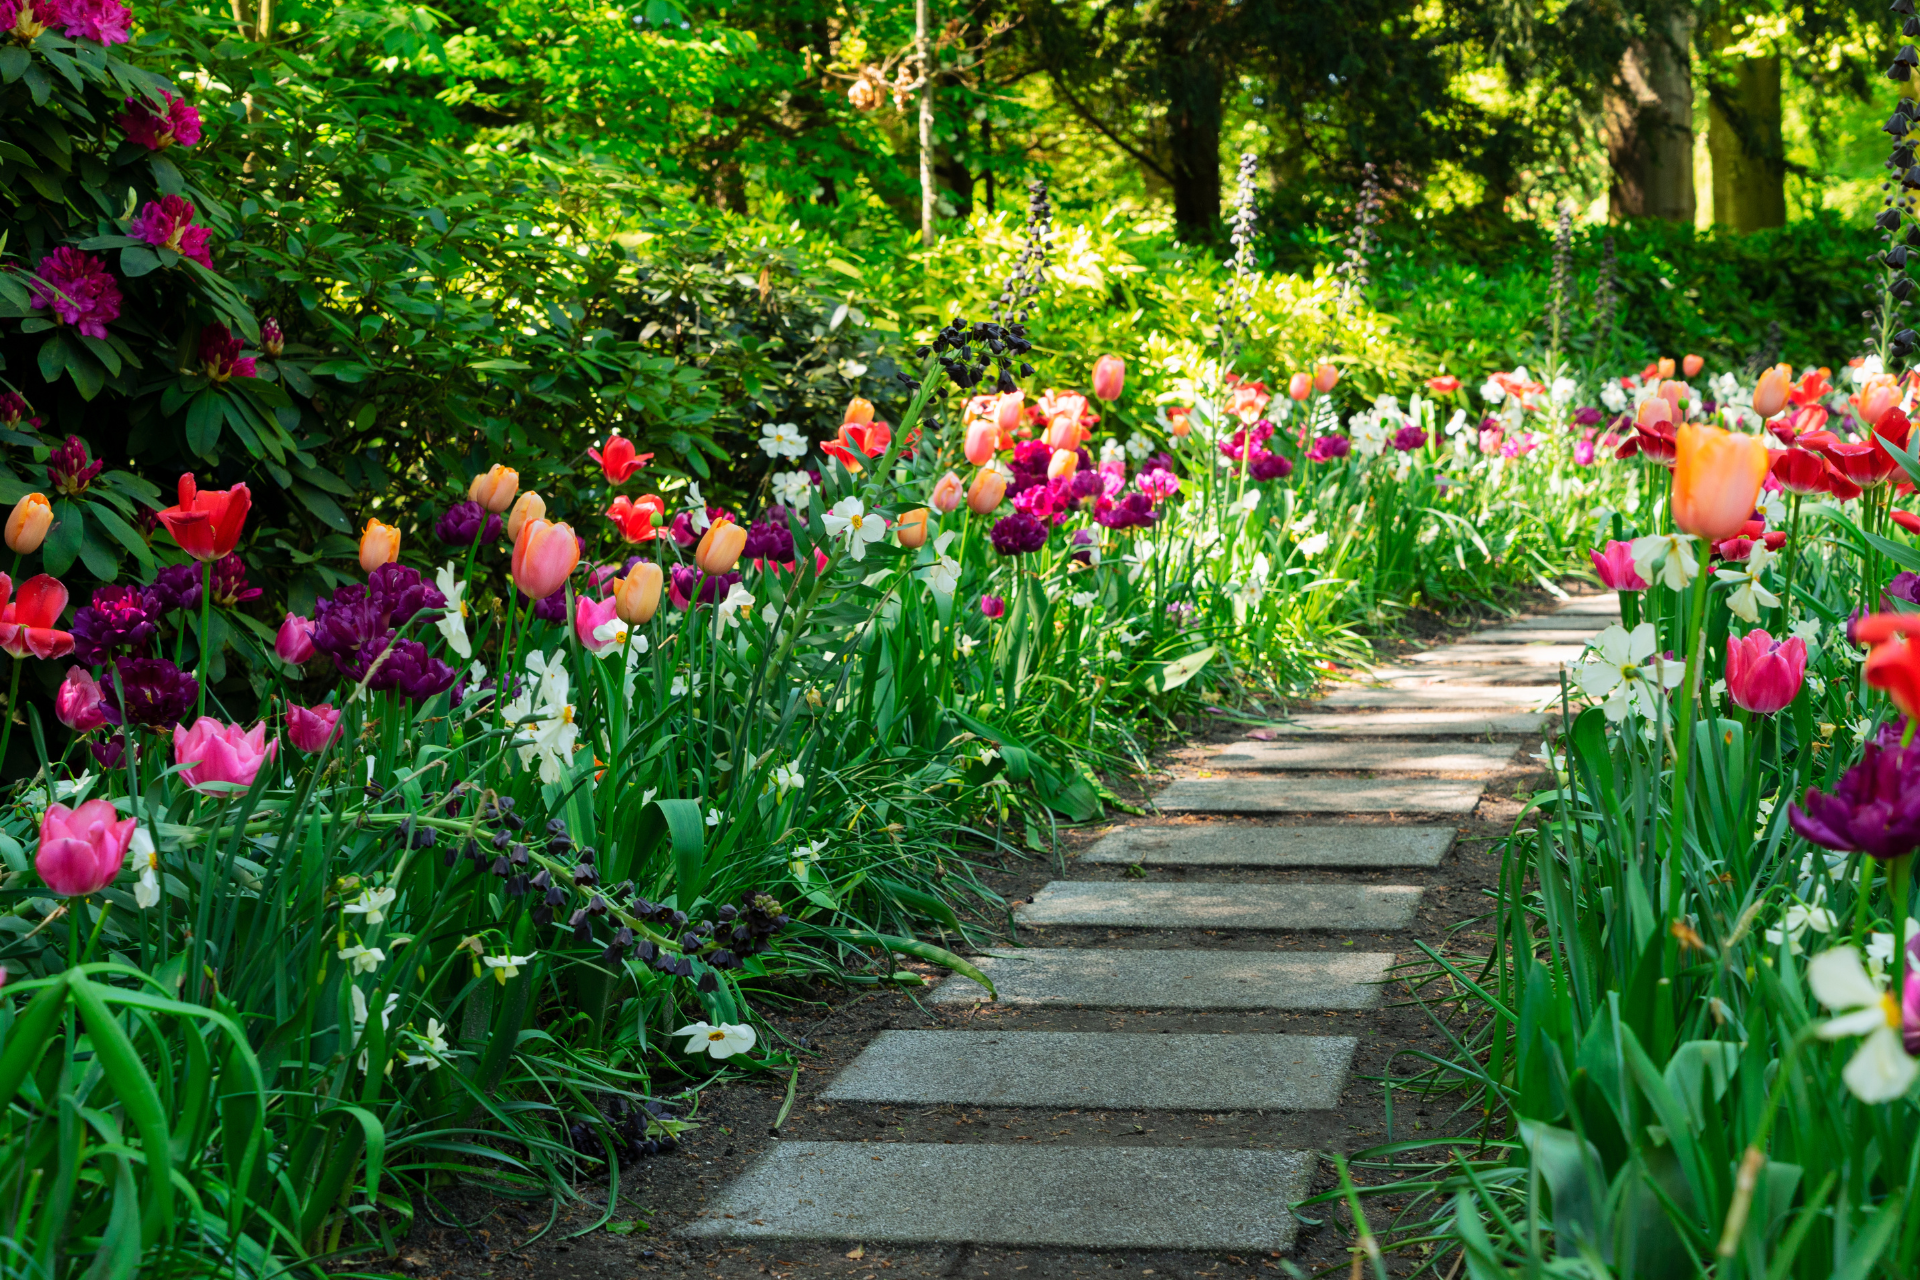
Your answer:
<point x="120" y="620"/>
<point x="177" y="587"/>
<point x="410" y="671"/>
<point x="230" y="581"/>
<point x="1018" y="534"/>
<point x="465" y="519"/>
<point x="158" y="694"/>
<point x="401" y="592"/>
<point x="1875" y="809"/>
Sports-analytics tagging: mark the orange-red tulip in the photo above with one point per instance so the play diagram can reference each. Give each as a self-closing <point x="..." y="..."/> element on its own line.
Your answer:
<point x="986" y="492"/>
<point x="636" y="597"/>
<point x="720" y="547"/>
<point x="207" y="522"/>
<point x="27" y="526"/>
<point x="495" y="489"/>
<point x="912" y="529"/>
<point x="947" y="493"/>
<point x="379" y="544"/>
<point x="1180" y="421"/>
<point x="859" y="410"/>
<point x="1690" y="366"/>
<point x="1109" y="376"/>
<point x="1324" y="377"/>
<point x="530" y="507"/>
<point x="1716" y="479"/>
<point x="543" y="555"/>
<point x="1770" y="393"/>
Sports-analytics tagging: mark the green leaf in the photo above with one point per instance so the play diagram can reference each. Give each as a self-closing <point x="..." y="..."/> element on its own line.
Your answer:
<point x="53" y="357"/>
<point x="123" y="533"/>
<point x="99" y="557"/>
<point x="324" y="508"/>
<point x="204" y="418"/>
<point x="138" y="260"/>
<point x="63" y="542"/>
<point x="1171" y="675"/>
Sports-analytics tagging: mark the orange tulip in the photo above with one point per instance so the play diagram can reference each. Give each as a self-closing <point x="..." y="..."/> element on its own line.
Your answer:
<point x="912" y="529"/>
<point x="859" y="410"/>
<point x="1324" y="377"/>
<point x="27" y="526"/>
<point x="983" y="438"/>
<point x="1062" y="433"/>
<point x="1716" y="479"/>
<point x="1665" y="368"/>
<point x="1109" y="376"/>
<point x="1770" y="393"/>
<point x="379" y="544"/>
<point x="1180" y="421"/>
<point x="1300" y="386"/>
<point x="1690" y="366"/>
<point x="720" y="547"/>
<point x="496" y="488"/>
<point x="946" y="494"/>
<point x="543" y="556"/>
<point x="986" y="491"/>
<point x="530" y="507"/>
<point x="636" y="597"/>
<point x="1063" y="463"/>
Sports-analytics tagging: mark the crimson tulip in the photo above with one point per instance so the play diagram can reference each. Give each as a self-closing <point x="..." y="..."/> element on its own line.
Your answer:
<point x="207" y="522"/>
<point x="620" y="460"/>
<point x="26" y="625"/>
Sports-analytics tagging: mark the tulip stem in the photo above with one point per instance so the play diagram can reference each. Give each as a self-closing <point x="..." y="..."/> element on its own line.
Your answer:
<point x="1793" y="559"/>
<point x="13" y="700"/>
<point x="206" y="629"/>
<point x="1899" y="873"/>
<point x="1683" y="739"/>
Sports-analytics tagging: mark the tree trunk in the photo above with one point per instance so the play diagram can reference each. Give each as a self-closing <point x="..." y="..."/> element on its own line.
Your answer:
<point x="1193" y="132"/>
<point x="1649" y="128"/>
<point x="1743" y="137"/>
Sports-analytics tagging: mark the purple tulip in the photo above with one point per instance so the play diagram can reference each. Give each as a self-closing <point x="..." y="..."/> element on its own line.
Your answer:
<point x="352" y="630"/>
<point x="230" y="581"/>
<point x="1271" y="466"/>
<point x="1874" y="810"/>
<point x="120" y="619"/>
<point x="1327" y="448"/>
<point x="1018" y="534"/>
<point x="409" y="670"/>
<point x="401" y="592"/>
<point x="177" y="587"/>
<point x="463" y="521"/>
<point x="551" y="608"/>
<point x="769" y="540"/>
<point x="1409" y="438"/>
<point x="157" y="693"/>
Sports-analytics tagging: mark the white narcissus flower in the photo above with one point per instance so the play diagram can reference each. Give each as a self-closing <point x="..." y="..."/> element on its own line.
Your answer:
<point x="1312" y="546"/>
<point x="722" y="1041"/>
<point x="1800" y="917"/>
<point x="804" y="857"/>
<point x="792" y="488"/>
<point x="727" y="614"/>
<point x="452" y="621"/>
<point x="1748" y="595"/>
<point x="1613" y="397"/>
<point x="851" y="517"/>
<point x="1564" y="390"/>
<point x="713" y="817"/>
<point x="362" y="959"/>
<point x="372" y="903"/>
<point x="1880" y="1070"/>
<point x="1081" y="599"/>
<point x="1666" y="558"/>
<point x="787" y="777"/>
<point x="146" y="889"/>
<point x="944" y="575"/>
<point x="967" y="645"/>
<point x="1620" y="667"/>
<point x="434" y="1042"/>
<point x="548" y="733"/>
<point x="783" y="440"/>
<point x="697" y="510"/>
<point x="1492" y="392"/>
<point x="507" y="966"/>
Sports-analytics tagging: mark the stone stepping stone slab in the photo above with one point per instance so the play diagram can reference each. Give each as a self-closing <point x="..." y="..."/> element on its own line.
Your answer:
<point x="1317" y="795"/>
<point x="1336" y="907"/>
<point x="1219" y="844"/>
<point x="1025" y="1195"/>
<point x="1495" y="655"/>
<point x="1102" y="1069"/>
<point x="1577" y="636"/>
<point x="1125" y="978"/>
<point x="1437" y="673"/>
<point x="1526" y="697"/>
<point x="1602" y="605"/>
<point x="1411" y="724"/>
<point x="1471" y="758"/>
<point x="1585" y="623"/>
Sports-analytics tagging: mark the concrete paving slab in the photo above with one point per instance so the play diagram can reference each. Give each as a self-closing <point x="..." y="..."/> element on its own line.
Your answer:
<point x="1026" y="1196"/>
<point x="1460" y="675"/>
<point x="1410" y="724"/>
<point x="1534" y="635"/>
<point x="1317" y="795"/>
<point x="1334" y="907"/>
<point x="1588" y="623"/>
<point x="1470" y="758"/>
<point x="1104" y="1069"/>
<point x="1608" y="603"/>
<point x="1126" y="978"/>
<point x="1220" y="844"/>
<point x="1528" y="697"/>
<point x="1497" y="655"/>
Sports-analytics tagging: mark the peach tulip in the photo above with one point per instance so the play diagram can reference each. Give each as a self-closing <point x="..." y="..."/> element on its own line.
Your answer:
<point x="379" y="544"/>
<point x="530" y="507"/>
<point x="983" y="438"/>
<point x="1063" y="463"/>
<point x="221" y="756"/>
<point x="1665" y="368"/>
<point x="1109" y="376"/>
<point x="543" y="556"/>
<point x="1716" y="480"/>
<point x="82" y="850"/>
<point x="1690" y="366"/>
<point x="495" y="489"/>
<point x="1062" y="433"/>
<point x="859" y="410"/>
<point x="1007" y="415"/>
<point x="1770" y="393"/>
<point x="1675" y="394"/>
<point x="1652" y="411"/>
<point x="986" y="491"/>
<point x="27" y="526"/>
<point x="1300" y="386"/>
<point x="636" y="597"/>
<point x="720" y="547"/>
<point x="1878" y="396"/>
<point x="1324" y="377"/>
<point x="912" y="529"/>
<point x="946" y="494"/>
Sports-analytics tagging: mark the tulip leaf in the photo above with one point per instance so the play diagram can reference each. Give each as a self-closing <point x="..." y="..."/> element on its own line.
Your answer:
<point x="1172" y="675"/>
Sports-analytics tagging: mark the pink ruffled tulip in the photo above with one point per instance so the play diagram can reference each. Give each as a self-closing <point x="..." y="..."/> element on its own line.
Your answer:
<point x="589" y="616"/>
<point x="82" y="850"/>
<point x="1109" y="376"/>
<point x="221" y="753"/>
<point x="294" y="642"/>
<point x="1615" y="567"/>
<point x="1764" y="674"/>
<point x="310" y="729"/>
<point x="78" y="702"/>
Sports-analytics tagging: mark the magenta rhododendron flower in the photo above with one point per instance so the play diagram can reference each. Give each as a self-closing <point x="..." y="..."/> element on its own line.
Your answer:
<point x="221" y="753"/>
<point x="167" y="223"/>
<point x="157" y="126"/>
<point x="79" y="289"/>
<point x="220" y="354"/>
<point x="106" y="22"/>
<point x="82" y="850"/>
<point x="1764" y="674"/>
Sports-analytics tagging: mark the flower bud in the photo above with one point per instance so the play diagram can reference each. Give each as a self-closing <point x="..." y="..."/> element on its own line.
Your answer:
<point x="1691" y="365"/>
<point x="912" y="529"/>
<point x="636" y="597"/>
<point x="27" y="526"/>
<point x="1665" y="367"/>
<point x="1770" y="393"/>
<point x="946" y="494"/>
<point x="495" y="489"/>
<point x="379" y="544"/>
<point x="530" y="507"/>
<point x="986" y="491"/>
<point x="720" y="547"/>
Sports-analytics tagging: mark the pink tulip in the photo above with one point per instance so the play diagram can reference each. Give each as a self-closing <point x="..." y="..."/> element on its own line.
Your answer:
<point x="543" y="555"/>
<point x="78" y="701"/>
<point x="946" y="494"/>
<point x="589" y="616"/>
<point x="310" y="729"/>
<point x="294" y="643"/>
<point x="221" y="753"/>
<point x="1300" y="386"/>
<point x="1007" y="414"/>
<point x="983" y="438"/>
<point x="1109" y="376"/>
<point x="82" y="850"/>
<point x="1615" y="567"/>
<point x="1764" y="674"/>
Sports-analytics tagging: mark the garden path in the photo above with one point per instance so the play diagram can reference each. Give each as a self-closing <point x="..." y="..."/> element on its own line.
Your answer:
<point x="1410" y="741"/>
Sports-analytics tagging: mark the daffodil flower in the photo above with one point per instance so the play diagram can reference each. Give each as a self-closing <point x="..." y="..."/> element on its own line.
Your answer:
<point x="146" y="889"/>
<point x="1666" y="558"/>
<point x="722" y="1041"/>
<point x="1880" y="1070"/>
<point x="1746" y="597"/>
<point x="507" y="966"/>
<point x="434" y="1043"/>
<point x="372" y="903"/>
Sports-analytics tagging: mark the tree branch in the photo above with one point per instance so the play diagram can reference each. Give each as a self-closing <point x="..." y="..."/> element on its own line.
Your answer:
<point x="1086" y="114"/>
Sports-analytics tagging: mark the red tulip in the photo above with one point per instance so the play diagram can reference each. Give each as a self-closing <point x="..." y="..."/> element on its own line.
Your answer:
<point x="619" y="461"/>
<point x="1443" y="385"/>
<point x="1690" y="366"/>
<point x="1764" y="674"/>
<point x="26" y="625"/>
<point x="1906" y="520"/>
<point x="207" y="522"/>
<point x="1801" y="471"/>
<point x="635" y="520"/>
